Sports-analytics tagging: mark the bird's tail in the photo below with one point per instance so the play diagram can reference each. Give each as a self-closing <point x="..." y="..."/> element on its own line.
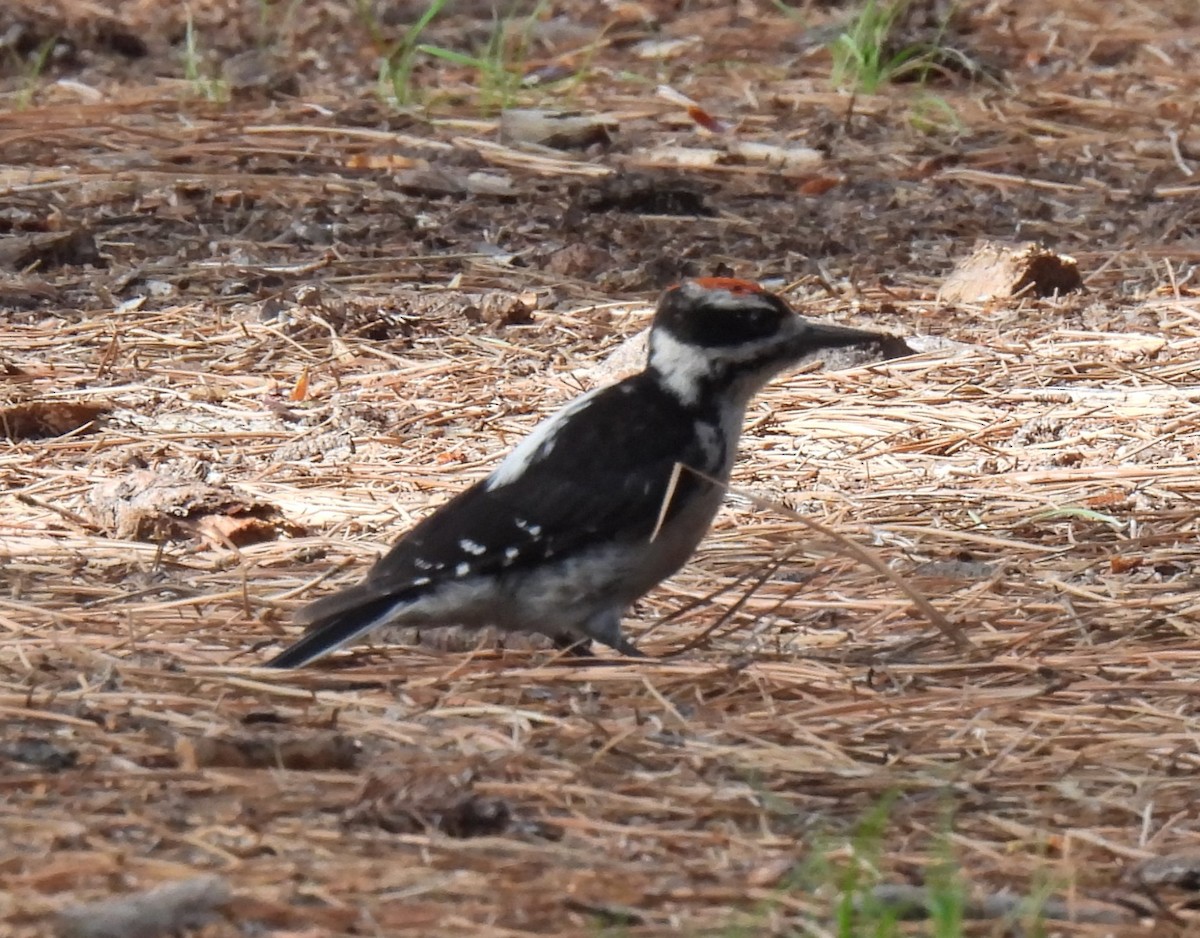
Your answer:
<point x="334" y="622"/>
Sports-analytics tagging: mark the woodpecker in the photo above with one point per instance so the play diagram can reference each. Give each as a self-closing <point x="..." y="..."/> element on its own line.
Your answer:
<point x="602" y="501"/>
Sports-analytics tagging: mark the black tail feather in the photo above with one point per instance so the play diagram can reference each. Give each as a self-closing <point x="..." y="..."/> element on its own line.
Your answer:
<point x="345" y="622"/>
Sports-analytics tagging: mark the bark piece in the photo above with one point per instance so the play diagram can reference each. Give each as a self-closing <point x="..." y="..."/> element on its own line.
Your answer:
<point x="48" y="250"/>
<point x="557" y="129"/>
<point x="643" y="194"/>
<point x="580" y="260"/>
<point x="40" y="419"/>
<point x="150" y="506"/>
<point x="404" y="803"/>
<point x="997" y="270"/>
<point x="502" y="309"/>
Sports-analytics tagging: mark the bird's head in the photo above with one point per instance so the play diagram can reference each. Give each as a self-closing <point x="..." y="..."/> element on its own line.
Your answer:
<point x="723" y="336"/>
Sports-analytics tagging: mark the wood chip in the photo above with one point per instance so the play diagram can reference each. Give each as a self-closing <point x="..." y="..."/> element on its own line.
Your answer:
<point x="997" y="270"/>
<point x="558" y="129"/>
<point x="150" y="506"/>
<point x="38" y="419"/>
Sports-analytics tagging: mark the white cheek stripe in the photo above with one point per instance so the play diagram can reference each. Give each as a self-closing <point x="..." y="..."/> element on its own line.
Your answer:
<point x="683" y="367"/>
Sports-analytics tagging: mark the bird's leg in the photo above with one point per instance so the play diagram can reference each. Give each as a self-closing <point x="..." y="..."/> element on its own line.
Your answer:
<point x="606" y="629"/>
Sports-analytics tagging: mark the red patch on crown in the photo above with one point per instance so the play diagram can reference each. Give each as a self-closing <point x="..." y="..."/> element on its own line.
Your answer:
<point x="729" y="284"/>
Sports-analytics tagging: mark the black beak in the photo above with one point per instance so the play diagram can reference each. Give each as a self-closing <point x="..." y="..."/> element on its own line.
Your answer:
<point x="814" y="336"/>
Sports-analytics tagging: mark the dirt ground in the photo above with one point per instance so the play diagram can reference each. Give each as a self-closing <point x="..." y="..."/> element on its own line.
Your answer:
<point x="257" y="318"/>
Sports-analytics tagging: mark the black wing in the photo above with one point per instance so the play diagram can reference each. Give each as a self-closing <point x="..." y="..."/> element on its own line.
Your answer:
<point x="585" y="487"/>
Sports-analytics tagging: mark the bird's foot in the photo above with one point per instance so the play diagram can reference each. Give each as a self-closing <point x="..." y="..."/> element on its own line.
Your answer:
<point x="572" y="644"/>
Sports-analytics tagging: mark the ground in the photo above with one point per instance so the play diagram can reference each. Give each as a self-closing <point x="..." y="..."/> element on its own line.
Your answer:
<point x="259" y="315"/>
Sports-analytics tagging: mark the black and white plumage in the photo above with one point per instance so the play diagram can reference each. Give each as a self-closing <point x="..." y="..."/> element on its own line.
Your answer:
<point x="600" y="502"/>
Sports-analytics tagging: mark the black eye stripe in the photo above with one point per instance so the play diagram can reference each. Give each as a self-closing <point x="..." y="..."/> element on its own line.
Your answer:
<point x="710" y="326"/>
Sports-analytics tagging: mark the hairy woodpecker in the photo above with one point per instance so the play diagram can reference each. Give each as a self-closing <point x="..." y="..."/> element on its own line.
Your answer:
<point x="600" y="502"/>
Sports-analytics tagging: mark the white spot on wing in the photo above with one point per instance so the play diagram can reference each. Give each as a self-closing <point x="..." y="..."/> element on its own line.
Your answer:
<point x="422" y="581"/>
<point x="510" y="554"/>
<point x="538" y="445"/>
<point x="462" y="569"/>
<point x="533" y="530"/>
<point x="472" y="547"/>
